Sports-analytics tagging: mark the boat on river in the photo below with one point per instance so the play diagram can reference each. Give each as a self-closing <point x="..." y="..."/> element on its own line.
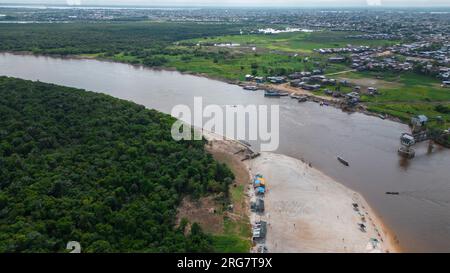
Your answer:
<point x="343" y="161"/>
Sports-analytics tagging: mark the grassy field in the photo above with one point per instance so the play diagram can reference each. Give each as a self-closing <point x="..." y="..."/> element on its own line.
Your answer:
<point x="236" y="66"/>
<point x="236" y="232"/>
<point x="299" y="42"/>
<point x="234" y="238"/>
<point x="279" y="54"/>
<point x="231" y="65"/>
<point x="404" y="95"/>
<point x="404" y="86"/>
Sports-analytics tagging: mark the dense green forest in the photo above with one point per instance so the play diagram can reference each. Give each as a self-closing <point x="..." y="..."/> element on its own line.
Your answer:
<point x="82" y="166"/>
<point x="107" y="38"/>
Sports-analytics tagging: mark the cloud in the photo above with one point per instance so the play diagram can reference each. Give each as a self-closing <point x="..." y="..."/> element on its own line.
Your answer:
<point x="374" y="2"/>
<point x="73" y="2"/>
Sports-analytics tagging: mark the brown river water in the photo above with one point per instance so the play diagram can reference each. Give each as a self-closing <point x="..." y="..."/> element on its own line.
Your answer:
<point x="419" y="216"/>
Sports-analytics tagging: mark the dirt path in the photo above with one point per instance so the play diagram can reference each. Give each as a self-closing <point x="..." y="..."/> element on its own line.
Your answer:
<point x="225" y="152"/>
<point x="341" y="72"/>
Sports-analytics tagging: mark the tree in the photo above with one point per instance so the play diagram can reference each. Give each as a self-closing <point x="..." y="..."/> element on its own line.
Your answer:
<point x="97" y="170"/>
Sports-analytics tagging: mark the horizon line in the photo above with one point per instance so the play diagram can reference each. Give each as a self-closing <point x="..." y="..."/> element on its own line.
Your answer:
<point x="225" y="5"/>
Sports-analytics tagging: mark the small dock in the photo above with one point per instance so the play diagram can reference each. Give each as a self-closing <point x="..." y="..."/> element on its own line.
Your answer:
<point x="420" y="133"/>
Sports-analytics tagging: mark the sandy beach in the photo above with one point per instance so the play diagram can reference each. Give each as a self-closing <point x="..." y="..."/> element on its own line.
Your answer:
<point x="307" y="211"/>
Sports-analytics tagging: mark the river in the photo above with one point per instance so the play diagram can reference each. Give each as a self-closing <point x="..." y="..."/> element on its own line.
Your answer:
<point x="419" y="216"/>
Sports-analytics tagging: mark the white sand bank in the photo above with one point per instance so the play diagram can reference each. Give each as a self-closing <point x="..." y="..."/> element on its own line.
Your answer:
<point x="308" y="211"/>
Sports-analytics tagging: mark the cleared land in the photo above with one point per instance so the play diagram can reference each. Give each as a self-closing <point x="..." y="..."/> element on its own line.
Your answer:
<point x="229" y="227"/>
<point x="276" y="54"/>
<point x="297" y="42"/>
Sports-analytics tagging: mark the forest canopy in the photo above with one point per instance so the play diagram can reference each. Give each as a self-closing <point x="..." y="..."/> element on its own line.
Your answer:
<point x="82" y="166"/>
<point x="108" y="38"/>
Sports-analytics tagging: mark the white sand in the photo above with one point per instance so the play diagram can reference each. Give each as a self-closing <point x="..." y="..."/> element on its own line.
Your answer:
<point x="308" y="211"/>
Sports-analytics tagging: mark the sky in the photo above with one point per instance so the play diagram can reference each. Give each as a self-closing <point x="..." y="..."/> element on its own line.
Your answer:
<point x="261" y="3"/>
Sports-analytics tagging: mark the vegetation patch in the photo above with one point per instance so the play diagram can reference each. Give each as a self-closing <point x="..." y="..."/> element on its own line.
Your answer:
<point x="300" y="42"/>
<point x="235" y="233"/>
<point x="82" y="166"/>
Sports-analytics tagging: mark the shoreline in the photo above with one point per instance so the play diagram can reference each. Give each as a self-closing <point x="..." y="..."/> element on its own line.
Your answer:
<point x="362" y="108"/>
<point x="126" y="63"/>
<point x="300" y="200"/>
<point x="283" y="88"/>
<point x="333" y="102"/>
<point x="156" y="68"/>
<point x="116" y="62"/>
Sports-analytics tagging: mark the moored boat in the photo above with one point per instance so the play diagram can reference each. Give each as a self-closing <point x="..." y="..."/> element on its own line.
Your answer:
<point x="272" y="93"/>
<point x="302" y="99"/>
<point x="251" y="87"/>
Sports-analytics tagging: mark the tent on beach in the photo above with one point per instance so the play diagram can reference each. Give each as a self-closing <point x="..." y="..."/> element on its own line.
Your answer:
<point x="259" y="182"/>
